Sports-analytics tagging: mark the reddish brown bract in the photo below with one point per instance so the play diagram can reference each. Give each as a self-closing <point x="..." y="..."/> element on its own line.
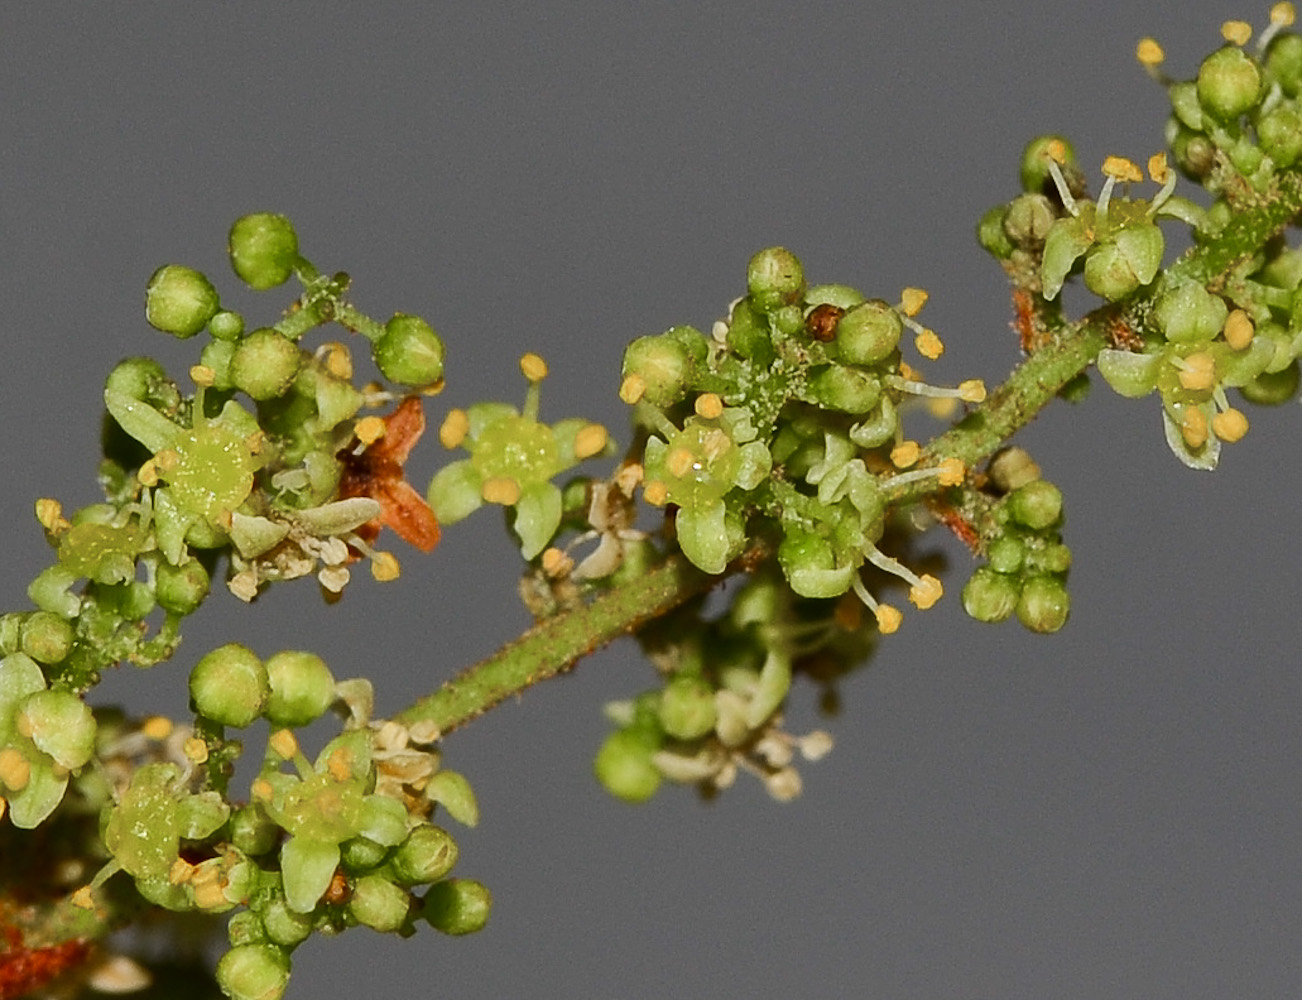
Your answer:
<point x="23" y="970"/>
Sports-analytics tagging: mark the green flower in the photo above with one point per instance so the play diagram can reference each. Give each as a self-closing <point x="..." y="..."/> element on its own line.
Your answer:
<point x="513" y="458"/>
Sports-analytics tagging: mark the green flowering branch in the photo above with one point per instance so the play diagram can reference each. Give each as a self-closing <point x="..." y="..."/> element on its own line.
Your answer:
<point x="770" y="451"/>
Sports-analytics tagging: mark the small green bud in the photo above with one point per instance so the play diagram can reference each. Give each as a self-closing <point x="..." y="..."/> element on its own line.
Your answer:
<point x="428" y="853"/>
<point x="179" y="300"/>
<point x="144" y="380"/>
<point x="1284" y="62"/>
<point x="1194" y="153"/>
<point x="664" y="366"/>
<point x="1036" y="505"/>
<point x="409" y="352"/>
<point x="181" y="589"/>
<point x="775" y="279"/>
<point x="1029" y="219"/>
<point x="1012" y="467"/>
<point x="1272" y="388"/>
<point x="991" y="234"/>
<point x="1006" y="554"/>
<point x="1044" y="604"/>
<point x="359" y="855"/>
<point x="1130" y="259"/>
<point x="1280" y="134"/>
<point x="457" y="906"/>
<point x="264" y="364"/>
<point x="226" y="325"/>
<point x="229" y="685"/>
<point x="47" y="637"/>
<point x="687" y="709"/>
<point x="263" y="249"/>
<point x="379" y="904"/>
<point x="990" y="596"/>
<point x="1036" y="178"/>
<point x="1228" y="83"/>
<point x="1054" y="558"/>
<point x="624" y="768"/>
<point x="302" y="688"/>
<point x="848" y="390"/>
<point x="254" y="972"/>
<point x="252" y="831"/>
<point x="1187" y="313"/>
<point x="283" y="926"/>
<point x="245" y="927"/>
<point x="868" y="333"/>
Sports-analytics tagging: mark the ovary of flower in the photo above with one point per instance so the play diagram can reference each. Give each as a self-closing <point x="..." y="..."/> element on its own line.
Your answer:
<point x="632" y="389"/>
<point x="928" y="344"/>
<point x="912" y="300"/>
<point x="905" y="454"/>
<point x="1193" y="427"/>
<point x="369" y="430"/>
<point x="1230" y="425"/>
<point x="455" y="427"/>
<point x="590" y="441"/>
<point x="533" y="367"/>
<point x="500" y="489"/>
<point x="708" y="405"/>
<point x="15" y="772"/>
<point x="1149" y="53"/>
<point x="1239" y="330"/>
<point x="385" y="567"/>
<point x="1236" y="32"/>
<point x="1197" y="372"/>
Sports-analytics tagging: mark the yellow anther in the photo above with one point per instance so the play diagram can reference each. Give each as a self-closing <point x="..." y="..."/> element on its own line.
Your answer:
<point x="888" y="619"/>
<point x="49" y="513"/>
<point x="1056" y="150"/>
<point x="385" y="567"/>
<point x="1198" y="371"/>
<point x="1158" y="168"/>
<point x="905" y="454"/>
<point x="1149" y="53"/>
<point x="181" y="872"/>
<point x="680" y="462"/>
<point x="157" y="728"/>
<point x="261" y="790"/>
<point x="926" y="592"/>
<point x="909" y="372"/>
<point x="1193" y="427"/>
<point x="929" y="345"/>
<point x="167" y="460"/>
<point x="1230" y="425"/>
<point x="590" y="441"/>
<point x="533" y="367"/>
<point x="708" y="405"/>
<point x="196" y="750"/>
<point x="1236" y="32"/>
<point x="656" y="493"/>
<point x="1238" y="330"/>
<point x="284" y="743"/>
<point x="972" y="390"/>
<point x="202" y="375"/>
<point x="912" y="300"/>
<point x="209" y="894"/>
<point x="455" y="427"/>
<point x="500" y="489"/>
<point x="632" y="388"/>
<point x="15" y="772"/>
<point x="147" y="474"/>
<point x="83" y="899"/>
<point x="1283" y="15"/>
<point x="340" y="764"/>
<point x="336" y="360"/>
<point x="952" y="472"/>
<point x="554" y="562"/>
<point x="369" y="429"/>
<point x="1121" y="169"/>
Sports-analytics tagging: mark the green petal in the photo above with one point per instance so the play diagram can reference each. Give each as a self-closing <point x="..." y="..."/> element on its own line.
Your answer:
<point x="306" y="867"/>
<point x="703" y="535"/>
<point x="537" y="516"/>
<point x="141" y="421"/>
<point x="39" y="797"/>
<point x="454" y="492"/>
<point x="1066" y="241"/>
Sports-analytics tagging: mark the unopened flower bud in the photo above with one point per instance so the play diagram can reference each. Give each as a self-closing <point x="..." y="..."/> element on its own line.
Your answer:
<point x="302" y="688"/>
<point x="379" y="904"/>
<point x="254" y="972"/>
<point x="1228" y="83"/>
<point x="409" y="352"/>
<point x="457" y="906"/>
<point x="47" y="637"/>
<point x="990" y="596"/>
<point x="229" y="685"/>
<point x="1036" y="505"/>
<point x="263" y="249"/>
<point x="775" y="279"/>
<point x="687" y="708"/>
<point x="868" y="333"/>
<point x="179" y="300"/>
<point x="264" y="364"/>
<point x="181" y="589"/>
<point x="428" y="853"/>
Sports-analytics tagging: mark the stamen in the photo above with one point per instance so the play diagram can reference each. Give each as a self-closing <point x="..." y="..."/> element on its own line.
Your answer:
<point x="1239" y="330"/>
<point x="905" y="454"/>
<point x="924" y="591"/>
<point x="1282" y="16"/>
<point x="632" y="388"/>
<point x="590" y="441"/>
<point x="500" y="489"/>
<point x="888" y="618"/>
<point x="1197" y="372"/>
<point x="708" y="405"/>
<point x="1236" y="32"/>
<point x="455" y="427"/>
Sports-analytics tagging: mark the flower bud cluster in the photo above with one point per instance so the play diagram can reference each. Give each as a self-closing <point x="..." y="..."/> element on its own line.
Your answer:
<point x="1026" y="566"/>
<point x="786" y="423"/>
<point x="342" y="840"/>
<point x="724" y="683"/>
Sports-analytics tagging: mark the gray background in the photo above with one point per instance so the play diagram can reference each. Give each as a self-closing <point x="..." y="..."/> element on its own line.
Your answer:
<point x="1112" y="811"/>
